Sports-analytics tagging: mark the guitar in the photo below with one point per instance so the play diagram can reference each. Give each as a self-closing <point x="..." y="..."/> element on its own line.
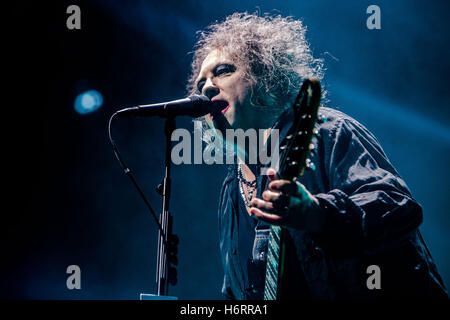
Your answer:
<point x="294" y="151"/>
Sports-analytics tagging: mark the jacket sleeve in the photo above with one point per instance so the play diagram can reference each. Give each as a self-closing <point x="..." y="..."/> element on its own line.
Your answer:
<point x="368" y="203"/>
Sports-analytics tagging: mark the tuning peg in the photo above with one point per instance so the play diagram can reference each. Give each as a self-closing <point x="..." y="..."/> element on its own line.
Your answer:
<point x="292" y="164"/>
<point x="316" y="132"/>
<point x="312" y="149"/>
<point x="321" y="118"/>
<point x="310" y="165"/>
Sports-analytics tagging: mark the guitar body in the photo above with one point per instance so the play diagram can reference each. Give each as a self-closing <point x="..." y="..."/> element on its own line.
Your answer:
<point x="294" y="152"/>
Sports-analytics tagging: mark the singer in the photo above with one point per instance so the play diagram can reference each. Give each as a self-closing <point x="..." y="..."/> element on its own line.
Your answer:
<point x="352" y="221"/>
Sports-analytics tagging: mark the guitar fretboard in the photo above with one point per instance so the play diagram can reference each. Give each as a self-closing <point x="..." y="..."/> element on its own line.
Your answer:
<point x="273" y="258"/>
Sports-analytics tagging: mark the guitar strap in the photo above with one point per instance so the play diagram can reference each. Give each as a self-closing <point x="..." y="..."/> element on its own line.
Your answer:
<point x="256" y="267"/>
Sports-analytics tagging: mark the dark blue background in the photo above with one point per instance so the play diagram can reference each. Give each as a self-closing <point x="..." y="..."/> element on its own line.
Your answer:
<point x="73" y="205"/>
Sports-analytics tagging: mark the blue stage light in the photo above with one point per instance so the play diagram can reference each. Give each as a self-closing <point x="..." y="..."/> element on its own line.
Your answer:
<point x="88" y="101"/>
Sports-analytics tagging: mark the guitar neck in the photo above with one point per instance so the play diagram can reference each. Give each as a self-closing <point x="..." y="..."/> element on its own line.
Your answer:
<point x="295" y="150"/>
<point x="275" y="263"/>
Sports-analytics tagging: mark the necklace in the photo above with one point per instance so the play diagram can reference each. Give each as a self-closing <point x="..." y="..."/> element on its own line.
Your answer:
<point x="250" y="187"/>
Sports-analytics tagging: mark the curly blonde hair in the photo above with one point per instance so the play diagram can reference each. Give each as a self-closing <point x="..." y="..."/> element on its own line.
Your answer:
<point x="271" y="50"/>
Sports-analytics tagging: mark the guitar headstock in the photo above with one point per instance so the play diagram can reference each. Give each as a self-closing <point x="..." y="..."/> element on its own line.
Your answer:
<point x="296" y="146"/>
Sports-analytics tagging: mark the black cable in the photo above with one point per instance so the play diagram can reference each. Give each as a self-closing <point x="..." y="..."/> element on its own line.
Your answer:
<point x="127" y="171"/>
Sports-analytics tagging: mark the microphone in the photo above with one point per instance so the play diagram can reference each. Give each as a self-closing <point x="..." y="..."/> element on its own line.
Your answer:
<point x="193" y="106"/>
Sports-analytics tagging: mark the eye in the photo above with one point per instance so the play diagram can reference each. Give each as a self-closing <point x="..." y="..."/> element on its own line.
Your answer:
<point x="224" y="69"/>
<point x="200" y="85"/>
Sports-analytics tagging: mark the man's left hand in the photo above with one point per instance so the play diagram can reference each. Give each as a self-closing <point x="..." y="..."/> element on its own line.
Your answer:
<point x="289" y="204"/>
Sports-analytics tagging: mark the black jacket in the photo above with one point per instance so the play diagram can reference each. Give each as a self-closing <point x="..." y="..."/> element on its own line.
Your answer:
<point x="372" y="220"/>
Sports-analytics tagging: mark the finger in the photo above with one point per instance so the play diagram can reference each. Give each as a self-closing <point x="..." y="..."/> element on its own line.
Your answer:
<point x="271" y="208"/>
<point x="278" y="199"/>
<point x="285" y="186"/>
<point x="265" y="216"/>
<point x="265" y="205"/>
<point x="272" y="174"/>
<point x="269" y="195"/>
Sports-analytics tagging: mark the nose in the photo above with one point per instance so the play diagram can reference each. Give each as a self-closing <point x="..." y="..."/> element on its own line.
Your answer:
<point x="210" y="90"/>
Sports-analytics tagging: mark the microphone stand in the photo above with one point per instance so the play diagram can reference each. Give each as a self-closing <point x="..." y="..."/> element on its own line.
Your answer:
<point x="167" y="241"/>
<point x="164" y="273"/>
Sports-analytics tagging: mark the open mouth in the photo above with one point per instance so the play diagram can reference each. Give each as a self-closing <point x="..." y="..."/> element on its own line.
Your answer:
<point x="219" y="106"/>
<point x="225" y="110"/>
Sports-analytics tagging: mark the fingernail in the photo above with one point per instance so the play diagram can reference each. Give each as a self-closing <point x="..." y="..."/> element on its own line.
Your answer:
<point x="274" y="185"/>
